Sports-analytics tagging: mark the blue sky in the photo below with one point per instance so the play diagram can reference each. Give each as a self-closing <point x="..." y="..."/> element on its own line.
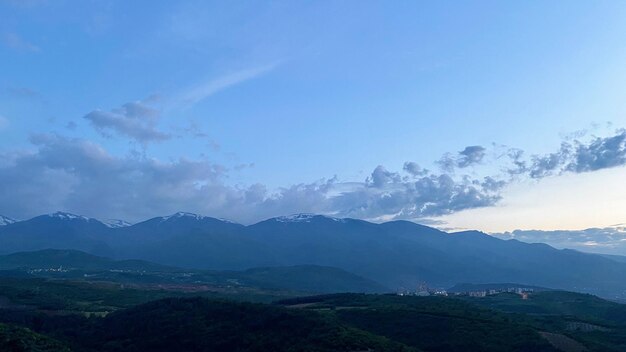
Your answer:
<point x="253" y="109"/>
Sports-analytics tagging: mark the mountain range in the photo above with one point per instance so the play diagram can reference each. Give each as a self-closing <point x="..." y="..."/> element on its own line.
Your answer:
<point x="397" y="254"/>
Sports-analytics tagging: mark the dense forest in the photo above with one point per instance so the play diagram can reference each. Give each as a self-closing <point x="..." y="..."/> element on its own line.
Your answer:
<point x="199" y="324"/>
<point x="17" y="339"/>
<point x="139" y="306"/>
<point x="87" y="317"/>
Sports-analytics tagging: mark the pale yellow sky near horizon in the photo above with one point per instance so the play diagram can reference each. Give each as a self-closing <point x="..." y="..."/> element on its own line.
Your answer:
<point x="566" y="202"/>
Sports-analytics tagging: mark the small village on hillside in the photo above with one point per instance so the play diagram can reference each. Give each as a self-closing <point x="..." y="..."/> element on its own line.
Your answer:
<point x="423" y="290"/>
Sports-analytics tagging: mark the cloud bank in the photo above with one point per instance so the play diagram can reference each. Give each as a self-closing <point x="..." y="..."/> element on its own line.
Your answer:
<point x="609" y="240"/>
<point x="61" y="173"/>
<point x="69" y="174"/>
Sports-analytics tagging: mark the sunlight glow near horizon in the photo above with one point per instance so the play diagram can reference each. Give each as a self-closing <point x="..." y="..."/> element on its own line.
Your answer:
<point x="566" y="202"/>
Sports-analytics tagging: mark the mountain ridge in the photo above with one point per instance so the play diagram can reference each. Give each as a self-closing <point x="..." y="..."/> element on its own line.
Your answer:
<point x="396" y="253"/>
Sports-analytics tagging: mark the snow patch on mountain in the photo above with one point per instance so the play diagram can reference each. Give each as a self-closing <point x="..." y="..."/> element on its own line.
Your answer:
<point x="116" y="223"/>
<point x="182" y="214"/>
<point x="5" y="220"/>
<point x="228" y="221"/>
<point x="304" y="217"/>
<point x="67" y="216"/>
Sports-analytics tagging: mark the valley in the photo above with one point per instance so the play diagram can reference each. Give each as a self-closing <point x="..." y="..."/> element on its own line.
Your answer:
<point x="321" y="273"/>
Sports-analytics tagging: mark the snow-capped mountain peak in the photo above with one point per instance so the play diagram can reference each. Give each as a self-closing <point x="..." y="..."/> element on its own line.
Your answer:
<point x="182" y="214"/>
<point x="193" y="216"/>
<point x="5" y="220"/>
<point x="67" y="216"/>
<point x="303" y="217"/>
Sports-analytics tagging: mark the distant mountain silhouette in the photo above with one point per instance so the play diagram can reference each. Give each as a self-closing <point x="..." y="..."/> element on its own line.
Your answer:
<point x="302" y="278"/>
<point x="70" y="258"/>
<point x="396" y="254"/>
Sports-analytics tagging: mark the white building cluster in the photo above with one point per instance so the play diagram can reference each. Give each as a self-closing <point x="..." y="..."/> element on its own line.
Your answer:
<point x="423" y="290"/>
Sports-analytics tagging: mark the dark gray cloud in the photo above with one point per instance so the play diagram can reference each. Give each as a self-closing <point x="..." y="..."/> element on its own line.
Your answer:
<point x="414" y="169"/>
<point x="70" y="174"/>
<point x="519" y="165"/>
<point x="601" y="153"/>
<point x="469" y="156"/>
<point x="391" y="196"/>
<point x="381" y="178"/>
<point x="137" y="120"/>
<point x="492" y="184"/>
<point x="546" y="165"/>
<point x="579" y="156"/>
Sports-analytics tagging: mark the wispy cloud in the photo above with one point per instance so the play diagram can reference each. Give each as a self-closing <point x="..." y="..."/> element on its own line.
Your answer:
<point x="202" y="91"/>
<point x="16" y="42"/>
<point x="22" y="93"/>
<point x="139" y="120"/>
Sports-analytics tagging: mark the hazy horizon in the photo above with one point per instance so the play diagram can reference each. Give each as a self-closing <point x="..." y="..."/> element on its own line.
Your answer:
<point x="488" y="116"/>
<point x="389" y="176"/>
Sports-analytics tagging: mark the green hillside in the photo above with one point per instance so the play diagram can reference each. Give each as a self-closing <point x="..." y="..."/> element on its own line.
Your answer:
<point x="429" y="323"/>
<point x="310" y="278"/>
<point x="102" y="316"/>
<point x="17" y="339"/>
<point x="201" y="325"/>
<point x="583" y="306"/>
<point x="598" y="324"/>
